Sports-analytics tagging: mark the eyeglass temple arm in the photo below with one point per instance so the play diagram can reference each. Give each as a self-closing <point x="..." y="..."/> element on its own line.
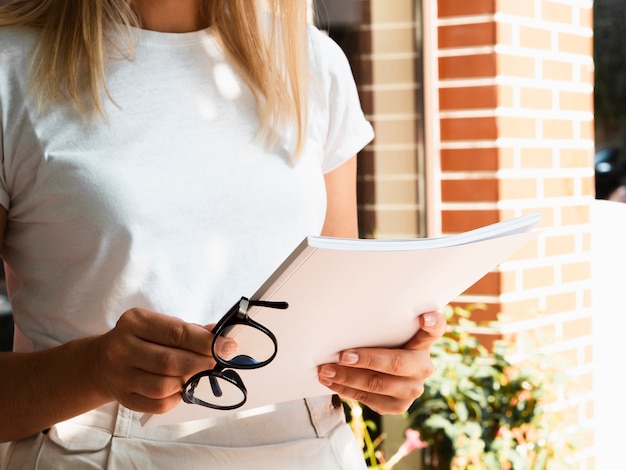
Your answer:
<point x="264" y="303"/>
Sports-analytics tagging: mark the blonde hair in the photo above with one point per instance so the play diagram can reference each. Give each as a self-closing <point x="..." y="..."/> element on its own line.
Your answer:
<point x="266" y="41"/>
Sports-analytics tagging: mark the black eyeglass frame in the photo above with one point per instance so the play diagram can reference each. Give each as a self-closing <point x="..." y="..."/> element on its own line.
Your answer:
<point x="223" y="369"/>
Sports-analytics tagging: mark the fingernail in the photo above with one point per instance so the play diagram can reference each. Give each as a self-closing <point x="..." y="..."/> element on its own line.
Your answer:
<point x="328" y="372"/>
<point x="325" y="382"/>
<point x="430" y="319"/>
<point x="349" y="358"/>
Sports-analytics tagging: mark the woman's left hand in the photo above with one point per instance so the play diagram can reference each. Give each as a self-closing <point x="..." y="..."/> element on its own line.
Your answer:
<point x="386" y="380"/>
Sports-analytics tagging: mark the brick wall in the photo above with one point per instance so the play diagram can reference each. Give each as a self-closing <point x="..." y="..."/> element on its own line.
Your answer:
<point x="507" y="88"/>
<point x="515" y="88"/>
<point x="391" y="178"/>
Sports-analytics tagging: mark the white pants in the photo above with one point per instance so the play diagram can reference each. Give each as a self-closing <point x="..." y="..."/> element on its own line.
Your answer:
<point x="303" y="434"/>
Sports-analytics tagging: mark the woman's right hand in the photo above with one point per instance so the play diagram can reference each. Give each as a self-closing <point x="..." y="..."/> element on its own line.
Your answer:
<point x="143" y="363"/>
<point x="146" y="359"/>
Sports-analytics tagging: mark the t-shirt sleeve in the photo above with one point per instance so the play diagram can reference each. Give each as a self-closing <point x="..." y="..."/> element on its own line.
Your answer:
<point x="348" y="131"/>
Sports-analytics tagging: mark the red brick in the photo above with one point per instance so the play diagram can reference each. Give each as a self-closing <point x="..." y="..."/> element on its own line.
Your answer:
<point x="575" y="44"/>
<point x="557" y="129"/>
<point x="576" y="158"/>
<point x="462" y="8"/>
<point x="516" y="66"/>
<point x="536" y="98"/>
<point x="586" y="74"/>
<point x="518" y="310"/>
<point x="455" y="221"/>
<point x="518" y="188"/>
<point x="466" y="35"/>
<point x="517" y="7"/>
<point x="538" y="277"/>
<point x="560" y="245"/>
<point x="517" y="127"/>
<point x="482" y="313"/>
<point x="467" y="66"/>
<point x="588" y="186"/>
<point x="507" y="96"/>
<point x="478" y="159"/>
<point x="539" y="158"/>
<point x="576" y="101"/>
<point x="574" y="272"/>
<point x="487" y="285"/>
<point x="587" y="130"/>
<point x="558" y="12"/>
<point x="468" y="97"/>
<point x="558" y="187"/>
<point x="577" y="328"/>
<point x="561" y="302"/>
<point x="529" y="251"/>
<point x="586" y="17"/>
<point x="554" y="69"/>
<point x="469" y="190"/>
<point x="505" y="34"/>
<point x="535" y="38"/>
<point x="469" y="128"/>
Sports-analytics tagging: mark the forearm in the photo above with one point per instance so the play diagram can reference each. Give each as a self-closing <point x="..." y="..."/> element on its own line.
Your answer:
<point x="43" y="388"/>
<point x="142" y="363"/>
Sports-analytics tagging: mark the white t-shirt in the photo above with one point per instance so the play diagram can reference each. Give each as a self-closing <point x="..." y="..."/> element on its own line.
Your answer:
<point x="168" y="205"/>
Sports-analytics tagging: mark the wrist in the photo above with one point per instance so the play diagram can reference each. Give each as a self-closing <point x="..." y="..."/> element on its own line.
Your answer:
<point x="91" y="370"/>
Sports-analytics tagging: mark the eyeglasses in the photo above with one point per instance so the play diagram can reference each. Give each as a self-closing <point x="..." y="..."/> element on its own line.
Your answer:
<point x="221" y="388"/>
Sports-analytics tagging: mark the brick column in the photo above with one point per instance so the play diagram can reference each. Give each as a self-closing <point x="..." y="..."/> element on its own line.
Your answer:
<point x="393" y="202"/>
<point x="516" y="122"/>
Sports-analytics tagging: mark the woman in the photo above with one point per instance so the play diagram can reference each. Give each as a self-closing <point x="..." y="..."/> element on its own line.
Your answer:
<point x="160" y="158"/>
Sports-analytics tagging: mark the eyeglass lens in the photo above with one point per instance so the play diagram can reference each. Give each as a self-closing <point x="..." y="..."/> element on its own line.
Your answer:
<point x="223" y="390"/>
<point x="254" y="347"/>
<point x="222" y="387"/>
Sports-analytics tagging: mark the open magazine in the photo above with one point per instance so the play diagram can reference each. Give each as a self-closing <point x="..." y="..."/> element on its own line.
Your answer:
<point x="349" y="293"/>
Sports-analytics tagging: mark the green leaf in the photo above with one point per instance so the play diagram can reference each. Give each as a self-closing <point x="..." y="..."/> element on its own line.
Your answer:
<point x="462" y="411"/>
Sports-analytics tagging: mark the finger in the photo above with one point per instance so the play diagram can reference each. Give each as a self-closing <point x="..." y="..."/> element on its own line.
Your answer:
<point x="432" y="327"/>
<point x="225" y="347"/>
<point x="395" y="362"/>
<point x="434" y="323"/>
<point x="369" y="381"/>
<point x="163" y="360"/>
<point x="143" y="404"/>
<point x="167" y="331"/>
<point x="381" y="403"/>
<point x="153" y="386"/>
